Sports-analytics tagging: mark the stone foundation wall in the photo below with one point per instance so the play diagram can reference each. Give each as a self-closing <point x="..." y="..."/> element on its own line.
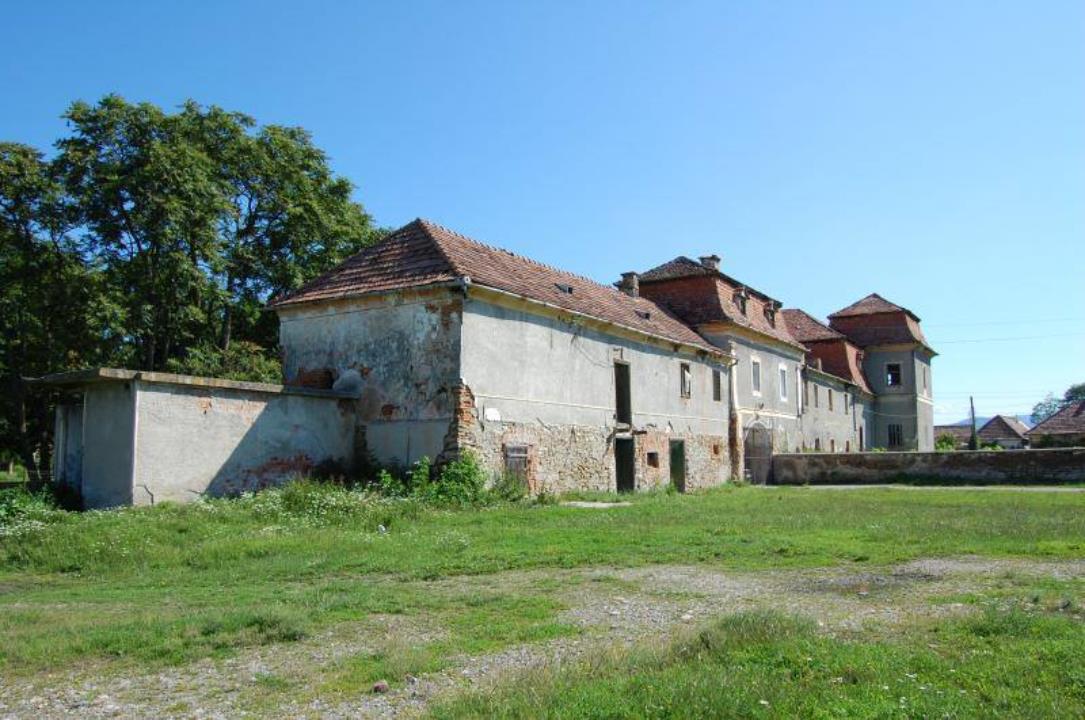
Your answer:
<point x="979" y="467"/>
<point x="567" y="458"/>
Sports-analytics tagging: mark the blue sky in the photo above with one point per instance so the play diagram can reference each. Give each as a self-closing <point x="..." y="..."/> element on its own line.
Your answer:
<point x="933" y="152"/>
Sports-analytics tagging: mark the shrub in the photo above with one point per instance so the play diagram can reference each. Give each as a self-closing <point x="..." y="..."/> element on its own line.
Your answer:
<point x="462" y="482"/>
<point x="945" y="443"/>
<point x="509" y="487"/>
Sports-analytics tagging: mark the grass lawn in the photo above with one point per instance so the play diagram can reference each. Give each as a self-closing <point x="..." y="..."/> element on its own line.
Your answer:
<point x="170" y="584"/>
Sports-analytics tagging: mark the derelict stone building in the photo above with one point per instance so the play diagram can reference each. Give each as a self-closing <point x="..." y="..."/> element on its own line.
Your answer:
<point x="431" y="344"/>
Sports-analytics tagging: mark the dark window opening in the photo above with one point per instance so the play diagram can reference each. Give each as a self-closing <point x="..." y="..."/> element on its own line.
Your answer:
<point x="653" y="459"/>
<point x="623" y="399"/>
<point x="644" y="314"/>
<point x="896" y="436"/>
<point x="717" y="386"/>
<point x="567" y="289"/>
<point x="893" y="374"/>
<point x="685" y="380"/>
<point x="715" y="448"/>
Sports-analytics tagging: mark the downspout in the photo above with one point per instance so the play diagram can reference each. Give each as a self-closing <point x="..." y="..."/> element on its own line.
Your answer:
<point x="734" y="421"/>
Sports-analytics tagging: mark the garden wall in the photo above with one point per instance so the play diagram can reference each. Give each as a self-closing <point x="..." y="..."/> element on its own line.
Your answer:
<point x="982" y="467"/>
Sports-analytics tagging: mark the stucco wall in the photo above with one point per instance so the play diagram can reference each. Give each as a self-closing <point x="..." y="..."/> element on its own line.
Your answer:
<point x="548" y="382"/>
<point x="819" y="423"/>
<point x="1005" y="466"/>
<point x="401" y="351"/>
<point x="193" y="440"/>
<point x="108" y="432"/>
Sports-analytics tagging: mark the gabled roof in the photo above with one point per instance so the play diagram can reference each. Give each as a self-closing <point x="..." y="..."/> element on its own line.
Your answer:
<point x="701" y="295"/>
<point x="806" y="328"/>
<point x="684" y="267"/>
<point x="423" y="253"/>
<point x="1069" y="420"/>
<point x="960" y="433"/>
<point x="1002" y="426"/>
<point x="872" y="304"/>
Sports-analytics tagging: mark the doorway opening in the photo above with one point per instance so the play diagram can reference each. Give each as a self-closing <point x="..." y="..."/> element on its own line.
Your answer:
<point x="678" y="465"/>
<point x="757" y="450"/>
<point x="623" y="465"/>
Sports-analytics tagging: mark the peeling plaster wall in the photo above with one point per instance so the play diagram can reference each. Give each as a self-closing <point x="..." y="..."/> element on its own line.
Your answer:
<point x="548" y="382"/>
<point x="405" y="350"/>
<point x="192" y="440"/>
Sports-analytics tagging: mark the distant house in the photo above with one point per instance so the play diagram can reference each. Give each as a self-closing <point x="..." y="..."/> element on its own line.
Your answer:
<point x="1064" y="428"/>
<point x="960" y="434"/>
<point x="1005" y="431"/>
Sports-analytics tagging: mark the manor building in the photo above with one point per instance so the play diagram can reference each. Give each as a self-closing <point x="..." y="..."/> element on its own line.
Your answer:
<point x="430" y="344"/>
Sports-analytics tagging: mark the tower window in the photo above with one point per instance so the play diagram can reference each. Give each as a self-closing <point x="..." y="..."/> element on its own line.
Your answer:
<point x="893" y="375"/>
<point x="685" y="380"/>
<point x="896" y="435"/>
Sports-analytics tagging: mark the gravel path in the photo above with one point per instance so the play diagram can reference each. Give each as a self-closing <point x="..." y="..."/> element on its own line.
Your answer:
<point x="610" y="605"/>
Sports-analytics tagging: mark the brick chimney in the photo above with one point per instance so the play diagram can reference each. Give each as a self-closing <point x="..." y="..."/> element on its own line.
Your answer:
<point x="630" y="284"/>
<point x="712" y="262"/>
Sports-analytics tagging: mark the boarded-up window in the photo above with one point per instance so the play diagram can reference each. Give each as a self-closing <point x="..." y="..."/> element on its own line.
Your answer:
<point x="516" y="460"/>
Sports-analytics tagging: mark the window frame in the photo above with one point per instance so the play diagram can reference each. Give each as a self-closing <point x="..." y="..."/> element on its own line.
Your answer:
<point x="783" y="382"/>
<point x="717" y="385"/>
<point x="685" y="380"/>
<point x="889" y="376"/>
<point x="755" y="376"/>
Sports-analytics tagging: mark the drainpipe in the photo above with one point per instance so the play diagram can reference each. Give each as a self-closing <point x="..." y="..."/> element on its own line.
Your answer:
<point x="734" y="420"/>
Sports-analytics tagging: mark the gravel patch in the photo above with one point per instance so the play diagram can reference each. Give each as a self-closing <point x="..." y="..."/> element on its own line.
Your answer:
<point x="611" y="606"/>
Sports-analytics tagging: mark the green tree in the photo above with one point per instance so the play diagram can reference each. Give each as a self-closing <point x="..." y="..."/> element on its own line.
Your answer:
<point x="1050" y="404"/>
<point x="51" y="317"/>
<point x="199" y="216"/>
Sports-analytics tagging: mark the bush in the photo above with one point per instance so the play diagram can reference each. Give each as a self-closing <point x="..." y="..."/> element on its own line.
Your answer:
<point x="22" y="511"/>
<point x="509" y="487"/>
<point x="945" y="443"/>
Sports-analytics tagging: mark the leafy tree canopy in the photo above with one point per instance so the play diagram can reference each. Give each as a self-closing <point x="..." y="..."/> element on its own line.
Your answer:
<point x="152" y="240"/>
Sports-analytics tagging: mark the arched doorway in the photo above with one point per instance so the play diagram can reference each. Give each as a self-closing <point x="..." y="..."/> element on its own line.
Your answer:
<point x="757" y="451"/>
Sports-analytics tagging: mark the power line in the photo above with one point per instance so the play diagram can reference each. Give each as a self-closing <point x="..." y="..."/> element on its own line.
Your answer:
<point x="1006" y="339"/>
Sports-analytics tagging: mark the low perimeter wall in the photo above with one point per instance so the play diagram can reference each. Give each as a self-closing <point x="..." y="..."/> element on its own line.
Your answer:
<point x="982" y="467"/>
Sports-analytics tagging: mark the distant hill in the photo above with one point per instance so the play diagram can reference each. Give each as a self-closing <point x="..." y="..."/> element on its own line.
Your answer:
<point x="980" y="421"/>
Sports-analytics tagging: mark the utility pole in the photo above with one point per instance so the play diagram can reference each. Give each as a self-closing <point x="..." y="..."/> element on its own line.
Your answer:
<point x="973" y="441"/>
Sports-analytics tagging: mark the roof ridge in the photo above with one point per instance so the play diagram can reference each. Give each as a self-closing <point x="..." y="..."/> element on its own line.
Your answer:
<point x="429" y="225"/>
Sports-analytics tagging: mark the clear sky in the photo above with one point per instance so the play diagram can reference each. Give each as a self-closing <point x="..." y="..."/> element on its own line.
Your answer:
<point x="933" y="152"/>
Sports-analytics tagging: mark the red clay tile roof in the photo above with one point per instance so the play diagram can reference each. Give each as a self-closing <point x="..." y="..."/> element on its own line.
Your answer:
<point x="423" y="253"/>
<point x="805" y="327"/>
<point x="701" y="295"/>
<point x="961" y="433"/>
<point x="838" y="356"/>
<point x="1000" y="427"/>
<point x="871" y="305"/>
<point x="1069" y="420"/>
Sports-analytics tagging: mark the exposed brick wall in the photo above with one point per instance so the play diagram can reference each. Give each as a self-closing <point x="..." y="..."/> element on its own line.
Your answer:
<point x="980" y="467"/>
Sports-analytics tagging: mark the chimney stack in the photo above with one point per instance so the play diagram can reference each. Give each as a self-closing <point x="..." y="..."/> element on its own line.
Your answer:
<point x="630" y="284"/>
<point x="712" y="262"/>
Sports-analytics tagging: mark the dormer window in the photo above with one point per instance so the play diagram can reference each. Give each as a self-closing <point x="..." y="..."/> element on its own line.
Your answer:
<point x="770" y="315"/>
<point x="740" y="300"/>
<point x="644" y="314"/>
<point x="567" y="289"/>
